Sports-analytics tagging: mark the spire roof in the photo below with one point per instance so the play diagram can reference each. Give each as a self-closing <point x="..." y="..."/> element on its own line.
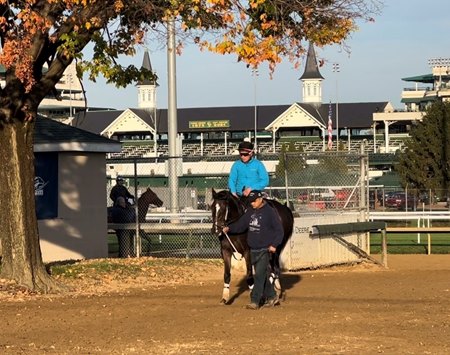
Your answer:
<point x="147" y="65"/>
<point x="311" y="67"/>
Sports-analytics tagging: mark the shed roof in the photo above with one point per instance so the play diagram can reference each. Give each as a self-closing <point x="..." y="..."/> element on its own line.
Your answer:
<point x="51" y="136"/>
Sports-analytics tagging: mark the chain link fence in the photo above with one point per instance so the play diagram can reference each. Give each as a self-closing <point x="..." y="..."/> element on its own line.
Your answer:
<point x="388" y="198"/>
<point x="320" y="182"/>
<point x="312" y="184"/>
<point x="180" y="225"/>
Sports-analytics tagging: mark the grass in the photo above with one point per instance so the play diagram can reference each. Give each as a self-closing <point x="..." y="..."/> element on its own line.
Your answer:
<point x="130" y="267"/>
<point x="167" y="244"/>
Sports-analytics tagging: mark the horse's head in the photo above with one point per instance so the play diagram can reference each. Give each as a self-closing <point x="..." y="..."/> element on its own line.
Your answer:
<point x="150" y="198"/>
<point x="225" y="209"/>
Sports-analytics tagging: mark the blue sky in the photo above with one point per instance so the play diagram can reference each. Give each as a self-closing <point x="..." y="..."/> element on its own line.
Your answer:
<point x="397" y="45"/>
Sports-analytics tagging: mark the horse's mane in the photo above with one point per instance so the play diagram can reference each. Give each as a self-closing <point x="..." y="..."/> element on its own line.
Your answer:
<point x="223" y="195"/>
<point x="233" y="201"/>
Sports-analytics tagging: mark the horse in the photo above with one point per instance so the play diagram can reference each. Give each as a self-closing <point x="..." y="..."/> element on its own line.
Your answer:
<point x="226" y="209"/>
<point x="127" y="214"/>
<point x="147" y="198"/>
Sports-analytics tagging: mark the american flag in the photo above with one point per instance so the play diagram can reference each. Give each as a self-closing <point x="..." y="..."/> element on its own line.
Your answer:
<point x="330" y="129"/>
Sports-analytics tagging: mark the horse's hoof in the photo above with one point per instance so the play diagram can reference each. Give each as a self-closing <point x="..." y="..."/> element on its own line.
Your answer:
<point x="277" y="284"/>
<point x="223" y="301"/>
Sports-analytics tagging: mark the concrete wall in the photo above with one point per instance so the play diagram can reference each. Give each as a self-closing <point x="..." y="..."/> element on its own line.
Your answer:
<point x="80" y="231"/>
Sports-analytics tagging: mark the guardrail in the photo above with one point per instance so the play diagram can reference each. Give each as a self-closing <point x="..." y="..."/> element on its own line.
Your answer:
<point x="400" y="216"/>
<point x="183" y="217"/>
<point x="423" y="219"/>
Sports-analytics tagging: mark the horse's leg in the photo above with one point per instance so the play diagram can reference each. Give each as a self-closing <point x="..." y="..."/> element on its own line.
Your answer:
<point x="226" y="256"/>
<point x="275" y="273"/>
<point x="248" y="265"/>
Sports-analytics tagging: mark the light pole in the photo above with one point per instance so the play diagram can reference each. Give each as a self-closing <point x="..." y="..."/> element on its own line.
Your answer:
<point x="255" y="74"/>
<point x="172" y="121"/>
<point x="336" y="69"/>
<point x="439" y="66"/>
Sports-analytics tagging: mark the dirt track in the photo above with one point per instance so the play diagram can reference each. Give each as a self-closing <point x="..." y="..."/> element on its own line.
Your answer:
<point x="352" y="310"/>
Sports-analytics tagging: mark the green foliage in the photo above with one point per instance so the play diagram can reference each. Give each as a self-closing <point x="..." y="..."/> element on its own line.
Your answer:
<point x="425" y="162"/>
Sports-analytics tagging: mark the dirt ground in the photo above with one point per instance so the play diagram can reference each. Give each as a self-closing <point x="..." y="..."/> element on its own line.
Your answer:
<point x="361" y="309"/>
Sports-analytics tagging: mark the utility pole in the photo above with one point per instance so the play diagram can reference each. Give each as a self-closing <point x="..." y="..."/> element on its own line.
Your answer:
<point x="172" y="116"/>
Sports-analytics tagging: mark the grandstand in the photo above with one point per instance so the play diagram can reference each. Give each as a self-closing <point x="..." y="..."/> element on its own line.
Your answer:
<point x="145" y="149"/>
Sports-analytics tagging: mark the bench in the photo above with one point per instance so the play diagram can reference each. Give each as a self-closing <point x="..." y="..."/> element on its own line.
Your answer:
<point x="337" y="230"/>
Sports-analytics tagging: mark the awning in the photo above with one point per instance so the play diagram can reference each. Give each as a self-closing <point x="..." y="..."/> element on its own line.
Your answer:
<point x="407" y="100"/>
<point x="388" y="179"/>
<point x="426" y="78"/>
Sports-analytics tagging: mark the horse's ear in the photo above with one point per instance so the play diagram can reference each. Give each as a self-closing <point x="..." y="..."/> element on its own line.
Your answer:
<point x="214" y="193"/>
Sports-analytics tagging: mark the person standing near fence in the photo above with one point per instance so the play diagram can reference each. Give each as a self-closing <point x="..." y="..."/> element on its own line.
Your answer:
<point x="265" y="233"/>
<point x="120" y="190"/>
<point x="248" y="173"/>
<point x="122" y="213"/>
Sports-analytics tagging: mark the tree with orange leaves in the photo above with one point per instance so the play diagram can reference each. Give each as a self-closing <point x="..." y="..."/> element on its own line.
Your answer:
<point x="51" y="34"/>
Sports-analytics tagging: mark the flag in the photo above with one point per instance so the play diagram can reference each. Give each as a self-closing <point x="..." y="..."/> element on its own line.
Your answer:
<point x="330" y="129"/>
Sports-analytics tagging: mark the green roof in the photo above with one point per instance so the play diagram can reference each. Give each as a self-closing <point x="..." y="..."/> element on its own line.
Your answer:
<point x="388" y="179"/>
<point x="418" y="99"/>
<point x="426" y="78"/>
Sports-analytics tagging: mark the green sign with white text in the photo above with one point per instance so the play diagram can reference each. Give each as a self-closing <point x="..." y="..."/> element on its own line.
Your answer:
<point x="209" y="124"/>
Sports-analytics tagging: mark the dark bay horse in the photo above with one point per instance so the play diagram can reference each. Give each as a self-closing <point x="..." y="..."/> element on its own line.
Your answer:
<point x="125" y="213"/>
<point x="226" y="208"/>
<point x="147" y="198"/>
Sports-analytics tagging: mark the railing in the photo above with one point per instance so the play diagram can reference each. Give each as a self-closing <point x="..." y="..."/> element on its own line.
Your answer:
<point x="417" y="216"/>
<point x="182" y="217"/>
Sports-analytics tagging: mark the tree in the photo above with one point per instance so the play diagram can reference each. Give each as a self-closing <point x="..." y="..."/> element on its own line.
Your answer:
<point x="40" y="38"/>
<point x="424" y="164"/>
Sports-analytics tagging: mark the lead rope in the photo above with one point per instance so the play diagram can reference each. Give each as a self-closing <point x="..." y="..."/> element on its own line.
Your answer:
<point x="234" y="248"/>
<point x="229" y="240"/>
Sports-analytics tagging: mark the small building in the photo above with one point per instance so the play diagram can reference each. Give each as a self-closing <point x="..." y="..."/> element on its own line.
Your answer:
<point x="70" y="190"/>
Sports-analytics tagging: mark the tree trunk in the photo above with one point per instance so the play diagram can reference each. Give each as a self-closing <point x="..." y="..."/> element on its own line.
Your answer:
<point x="21" y="254"/>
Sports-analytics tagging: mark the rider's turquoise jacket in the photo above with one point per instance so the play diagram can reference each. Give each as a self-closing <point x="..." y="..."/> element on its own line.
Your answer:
<point x="252" y="174"/>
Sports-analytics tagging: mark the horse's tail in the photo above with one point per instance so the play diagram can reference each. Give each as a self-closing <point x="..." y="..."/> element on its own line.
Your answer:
<point x="286" y="218"/>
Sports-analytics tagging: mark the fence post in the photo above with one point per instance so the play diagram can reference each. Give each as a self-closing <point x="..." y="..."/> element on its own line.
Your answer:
<point x="286" y="178"/>
<point x="137" y="239"/>
<point x="384" y="248"/>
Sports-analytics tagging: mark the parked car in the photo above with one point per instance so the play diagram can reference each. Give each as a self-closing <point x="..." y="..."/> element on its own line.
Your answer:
<point x="401" y="201"/>
<point x="425" y="198"/>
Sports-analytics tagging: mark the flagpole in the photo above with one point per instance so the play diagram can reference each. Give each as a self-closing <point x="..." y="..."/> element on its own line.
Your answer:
<point x="336" y="69"/>
<point x="330" y="128"/>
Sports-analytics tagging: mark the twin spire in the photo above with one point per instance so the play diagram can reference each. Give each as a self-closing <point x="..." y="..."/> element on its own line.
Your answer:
<point x="147" y="87"/>
<point x="311" y="79"/>
<point x="311" y="83"/>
